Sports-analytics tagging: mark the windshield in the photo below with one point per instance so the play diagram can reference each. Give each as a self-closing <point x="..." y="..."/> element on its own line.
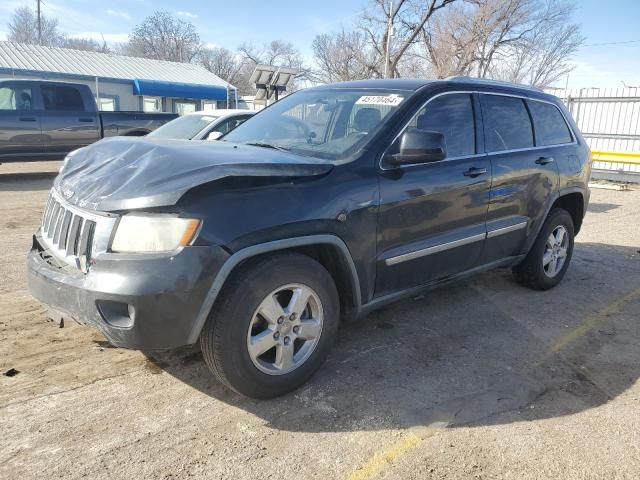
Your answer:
<point x="185" y="127"/>
<point x="330" y="124"/>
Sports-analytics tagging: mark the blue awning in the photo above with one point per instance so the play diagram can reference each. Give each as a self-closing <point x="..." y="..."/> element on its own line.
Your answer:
<point x="155" y="88"/>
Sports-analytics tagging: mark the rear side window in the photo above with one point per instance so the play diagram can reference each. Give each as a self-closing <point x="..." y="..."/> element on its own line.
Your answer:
<point x="506" y="123"/>
<point x="549" y="124"/>
<point x="15" y="98"/>
<point x="452" y="116"/>
<point x="56" y="97"/>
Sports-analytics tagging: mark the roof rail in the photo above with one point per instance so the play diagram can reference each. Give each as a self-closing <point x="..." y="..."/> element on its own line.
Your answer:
<point x="486" y="81"/>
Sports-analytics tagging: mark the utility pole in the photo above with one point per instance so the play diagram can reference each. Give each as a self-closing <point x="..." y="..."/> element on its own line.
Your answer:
<point x="389" y="35"/>
<point x="39" y="24"/>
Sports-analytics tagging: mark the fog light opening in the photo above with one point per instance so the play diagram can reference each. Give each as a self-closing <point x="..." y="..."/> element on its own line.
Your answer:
<point x="116" y="314"/>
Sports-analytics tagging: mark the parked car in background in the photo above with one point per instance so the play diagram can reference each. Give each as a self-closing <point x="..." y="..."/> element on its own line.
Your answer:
<point x="46" y="120"/>
<point x="209" y="125"/>
<point x="332" y="202"/>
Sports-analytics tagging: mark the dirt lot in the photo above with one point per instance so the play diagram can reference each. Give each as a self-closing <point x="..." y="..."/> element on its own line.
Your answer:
<point x="483" y="379"/>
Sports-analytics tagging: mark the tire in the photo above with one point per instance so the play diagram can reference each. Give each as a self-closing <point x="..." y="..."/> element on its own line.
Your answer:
<point x="248" y="301"/>
<point x="536" y="271"/>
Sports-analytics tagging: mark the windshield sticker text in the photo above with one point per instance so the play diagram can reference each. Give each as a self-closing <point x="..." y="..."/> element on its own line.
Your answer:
<point x="391" y="100"/>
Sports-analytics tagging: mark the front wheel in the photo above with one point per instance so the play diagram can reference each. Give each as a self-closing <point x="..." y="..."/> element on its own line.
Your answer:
<point x="548" y="260"/>
<point x="274" y="326"/>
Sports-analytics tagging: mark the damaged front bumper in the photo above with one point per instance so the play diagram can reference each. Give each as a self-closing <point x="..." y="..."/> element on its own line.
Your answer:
<point x="139" y="301"/>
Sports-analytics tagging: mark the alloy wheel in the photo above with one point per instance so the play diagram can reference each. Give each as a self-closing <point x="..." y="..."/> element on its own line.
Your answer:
<point x="285" y="329"/>
<point x="555" y="251"/>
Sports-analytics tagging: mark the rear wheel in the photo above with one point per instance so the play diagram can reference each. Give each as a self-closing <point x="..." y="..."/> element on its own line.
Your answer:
<point x="548" y="260"/>
<point x="274" y="326"/>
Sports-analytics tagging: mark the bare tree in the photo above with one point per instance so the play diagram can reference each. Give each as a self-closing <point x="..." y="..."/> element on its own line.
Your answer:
<point x="528" y="41"/>
<point x="23" y="28"/>
<point x="86" y="44"/>
<point x="164" y="37"/>
<point x="363" y="52"/>
<point x="409" y="19"/>
<point x="544" y="54"/>
<point x="343" y="56"/>
<point x="450" y="44"/>
<point x="276" y="52"/>
<point x="221" y="61"/>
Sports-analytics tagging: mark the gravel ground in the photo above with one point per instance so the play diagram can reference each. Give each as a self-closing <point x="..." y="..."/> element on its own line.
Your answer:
<point x="483" y="379"/>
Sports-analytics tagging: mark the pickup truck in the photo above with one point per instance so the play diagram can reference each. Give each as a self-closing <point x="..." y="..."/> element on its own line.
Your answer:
<point x="331" y="202"/>
<point x="46" y="120"/>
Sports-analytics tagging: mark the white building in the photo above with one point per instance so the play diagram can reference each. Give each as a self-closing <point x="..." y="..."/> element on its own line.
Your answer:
<point x="120" y="82"/>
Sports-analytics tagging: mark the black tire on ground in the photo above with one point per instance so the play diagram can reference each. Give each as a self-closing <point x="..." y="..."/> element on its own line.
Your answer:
<point x="224" y="337"/>
<point x="531" y="271"/>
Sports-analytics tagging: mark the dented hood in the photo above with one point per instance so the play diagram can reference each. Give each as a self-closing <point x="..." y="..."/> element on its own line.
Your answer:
<point x="123" y="173"/>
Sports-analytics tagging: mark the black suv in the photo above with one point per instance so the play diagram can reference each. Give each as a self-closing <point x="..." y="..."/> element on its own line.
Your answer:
<point x="329" y="203"/>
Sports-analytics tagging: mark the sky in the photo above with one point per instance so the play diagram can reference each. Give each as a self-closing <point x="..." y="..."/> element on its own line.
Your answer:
<point x="229" y="24"/>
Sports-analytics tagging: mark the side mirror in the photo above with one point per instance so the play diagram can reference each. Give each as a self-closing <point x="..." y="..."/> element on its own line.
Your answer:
<point x="214" y="135"/>
<point x="420" y="146"/>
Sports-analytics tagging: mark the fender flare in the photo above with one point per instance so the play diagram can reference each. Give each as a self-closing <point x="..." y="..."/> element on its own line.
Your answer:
<point x="248" y="252"/>
<point x="551" y="202"/>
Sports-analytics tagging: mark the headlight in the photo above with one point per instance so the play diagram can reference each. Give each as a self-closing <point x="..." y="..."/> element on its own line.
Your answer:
<point x="153" y="233"/>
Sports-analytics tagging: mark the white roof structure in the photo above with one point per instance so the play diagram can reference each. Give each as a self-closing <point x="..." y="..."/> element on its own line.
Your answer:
<point x="19" y="57"/>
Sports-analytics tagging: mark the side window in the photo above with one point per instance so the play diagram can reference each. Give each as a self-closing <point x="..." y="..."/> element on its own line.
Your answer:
<point x="549" y="124"/>
<point x="452" y="116"/>
<point x="228" y="125"/>
<point x="182" y="107"/>
<point x="15" y="98"/>
<point x="506" y="123"/>
<point x="57" y="97"/>
<point x="151" y="104"/>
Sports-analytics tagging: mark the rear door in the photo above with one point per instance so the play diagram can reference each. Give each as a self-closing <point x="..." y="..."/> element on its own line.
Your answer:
<point x="68" y="121"/>
<point x="431" y="220"/>
<point x="524" y="175"/>
<point x="20" y="133"/>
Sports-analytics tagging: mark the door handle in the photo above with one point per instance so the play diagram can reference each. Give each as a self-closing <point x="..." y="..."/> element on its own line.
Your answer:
<point x="544" y="160"/>
<point x="28" y="119"/>
<point x="86" y="120"/>
<point x="475" y="172"/>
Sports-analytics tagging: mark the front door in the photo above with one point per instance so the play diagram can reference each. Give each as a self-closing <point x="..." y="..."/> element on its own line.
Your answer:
<point x="432" y="216"/>
<point x="19" y="120"/>
<point x="525" y="175"/>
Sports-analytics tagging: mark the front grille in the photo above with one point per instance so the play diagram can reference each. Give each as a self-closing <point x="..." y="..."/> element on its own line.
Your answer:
<point x="70" y="233"/>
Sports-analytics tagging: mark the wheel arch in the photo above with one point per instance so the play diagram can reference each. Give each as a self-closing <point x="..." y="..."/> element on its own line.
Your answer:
<point x="571" y="199"/>
<point x="328" y="250"/>
<point x="573" y="202"/>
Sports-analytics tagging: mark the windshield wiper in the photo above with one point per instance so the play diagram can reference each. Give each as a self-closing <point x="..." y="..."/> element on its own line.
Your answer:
<point x="267" y="145"/>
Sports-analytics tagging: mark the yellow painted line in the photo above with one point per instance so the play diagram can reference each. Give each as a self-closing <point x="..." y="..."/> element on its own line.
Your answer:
<point x="381" y="460"/>
<point x="593" y="321"/>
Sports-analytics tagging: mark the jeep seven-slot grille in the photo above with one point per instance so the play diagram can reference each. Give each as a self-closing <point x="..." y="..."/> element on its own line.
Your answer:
<point x="68" y="233"/>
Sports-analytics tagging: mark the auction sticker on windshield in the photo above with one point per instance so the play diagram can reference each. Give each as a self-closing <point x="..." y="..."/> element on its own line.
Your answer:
<point x="391" y="100"/>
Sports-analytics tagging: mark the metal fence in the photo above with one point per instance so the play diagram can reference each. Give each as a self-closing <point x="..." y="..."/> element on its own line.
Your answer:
<point x="609" y="120"/>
